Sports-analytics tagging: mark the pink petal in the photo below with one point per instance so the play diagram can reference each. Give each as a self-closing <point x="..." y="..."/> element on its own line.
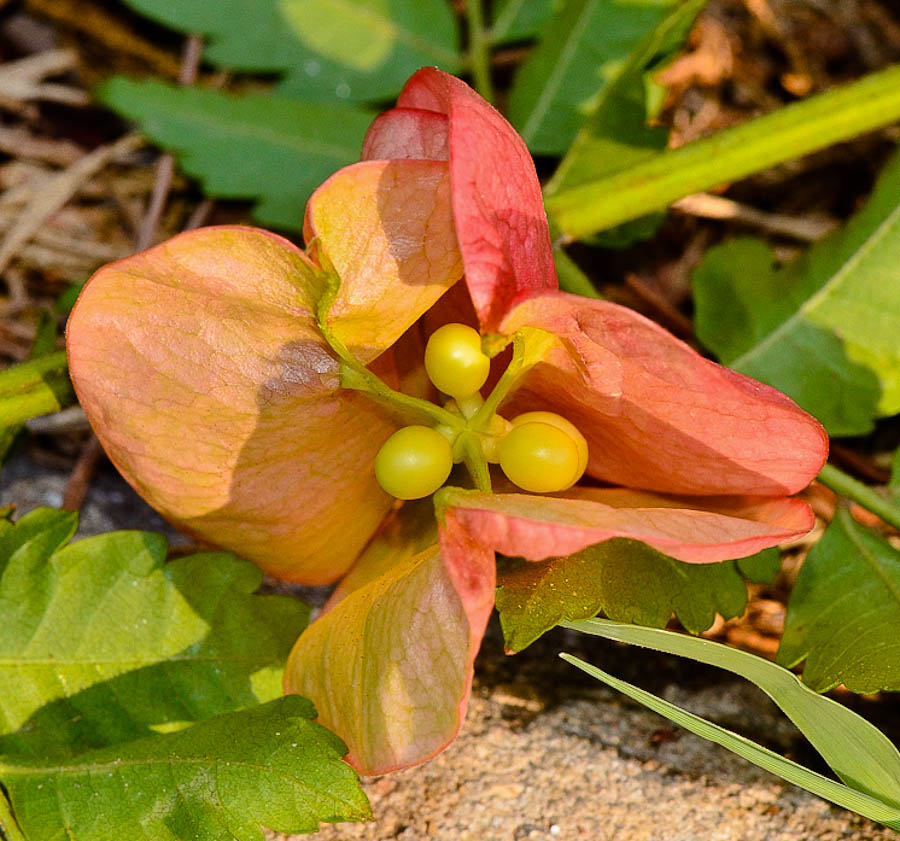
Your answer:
<point x="390" y="667"/>
<point x="407" y="133"/>
<point x="497" y="202"/>
<point x="387" y="228"/>
<point x="693" y="530"/>
<point x="680" y="423"/>
<point x="204" y="375"/>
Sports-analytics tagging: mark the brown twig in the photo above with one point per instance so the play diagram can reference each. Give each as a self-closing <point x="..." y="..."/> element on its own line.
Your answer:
<point x="82" y="474"/>
<point x="803" y="228"/>
<point x="165" y="167"/>
<point x="859" y="464"/>
<point x="676" y="321"/>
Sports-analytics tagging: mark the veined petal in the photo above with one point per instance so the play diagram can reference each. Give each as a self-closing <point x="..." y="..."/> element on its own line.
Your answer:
<point x="692" y="530"/>
<point x="681" y="423"/>
<point x="497" y="203"/>
<point x="206" y="380"/>
<point x="387" y="228"/>
<point x="407" y="133"/>
<point x="390" y="667"/>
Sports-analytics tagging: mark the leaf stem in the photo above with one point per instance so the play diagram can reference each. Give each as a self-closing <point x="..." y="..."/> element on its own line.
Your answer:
<point x="8" y="827"/>
<point x="850" y="488"/>
<point x="479" y="49"/>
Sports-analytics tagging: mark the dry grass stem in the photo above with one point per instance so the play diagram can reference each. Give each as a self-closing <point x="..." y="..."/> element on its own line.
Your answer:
<point x="803" y="228"/>
<point x="57" y="191"/>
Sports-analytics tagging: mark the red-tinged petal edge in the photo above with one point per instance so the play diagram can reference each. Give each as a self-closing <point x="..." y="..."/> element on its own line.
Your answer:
<point x="692" y="530"/>
<point x="681" y="424"/>
<point x="389" y="668"/>
<point x="404" y="133"/>
<point x="497" y="203"/>
<point x="204" y="375"/>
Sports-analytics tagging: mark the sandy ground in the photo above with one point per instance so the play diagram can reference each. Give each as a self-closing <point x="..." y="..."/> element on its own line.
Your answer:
<point x="548" y="754"/>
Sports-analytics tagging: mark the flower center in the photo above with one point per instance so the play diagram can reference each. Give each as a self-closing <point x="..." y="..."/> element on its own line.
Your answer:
<point x="541" y="452"/>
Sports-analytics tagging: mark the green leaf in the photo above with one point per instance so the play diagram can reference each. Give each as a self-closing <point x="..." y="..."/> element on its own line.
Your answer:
<point x="650" y="185"/>
<point x="225" y="777"/>
<point x="328" y="50"/>
<point x="894" y="482"/>
<point x="844" y="611"/>
<point x="762" y="567"/>
<point x="822" y="329"/>
<point x="33" y="388"/>
<point x="265" y="147"/>
<point x="616" y="134"/>
<point x="626" y="579"/>
<point x="860" y="754"/>
<point x="101" y="642"/>
<point x="582" y="50"/>
<point x="518" y="20"/>
<point x="824" y="787"/>
<point x="43" y="345"/>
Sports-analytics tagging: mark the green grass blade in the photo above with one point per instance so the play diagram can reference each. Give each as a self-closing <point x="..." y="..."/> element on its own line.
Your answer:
<point x="794" y="773"/>
<point x="788" y="133"/>
<point x="858" y="752"/>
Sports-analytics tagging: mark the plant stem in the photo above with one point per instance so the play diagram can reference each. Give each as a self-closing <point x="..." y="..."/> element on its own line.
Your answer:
<point x="850" y="488"/>
<point x="479" y="49"/>
<point x="792" y="131"/>
<point x="8" y="826"/>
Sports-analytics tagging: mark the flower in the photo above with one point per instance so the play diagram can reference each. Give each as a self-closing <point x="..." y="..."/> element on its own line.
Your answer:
<point x="244" y="387"/>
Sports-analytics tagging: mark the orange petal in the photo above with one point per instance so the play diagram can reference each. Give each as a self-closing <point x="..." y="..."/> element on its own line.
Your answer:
<point x="202" y="371"/>
<point x="692" y="530"/>
<point x="390" y="667"/>
<point x="387" y="228"/>
<point x="497" y="203"/>
<point x="680" y="423"/>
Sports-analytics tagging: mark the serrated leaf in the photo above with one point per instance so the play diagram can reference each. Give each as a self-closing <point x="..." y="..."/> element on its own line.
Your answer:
<point x="328" y="50"/>
<point x="793" y="772"/>
<point x="860" y="754"/>
<point x="626" y="579"/>
<point x="101" y="642"/>
<point x="270" y="148"/>
<point x="517" y="20"/>
<point x="844" y="611"/>
<point x="225" y="777"/>
<point x="582" y="51"/>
